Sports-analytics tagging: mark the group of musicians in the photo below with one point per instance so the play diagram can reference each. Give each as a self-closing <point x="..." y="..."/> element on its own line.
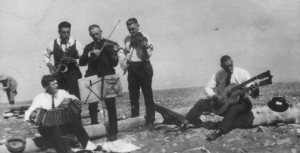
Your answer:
<point x="101" y="56"/>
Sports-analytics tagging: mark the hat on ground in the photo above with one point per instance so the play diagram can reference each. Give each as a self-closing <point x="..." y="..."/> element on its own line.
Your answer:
<point x="278" y="104"/>
<point x="16" y="143"/>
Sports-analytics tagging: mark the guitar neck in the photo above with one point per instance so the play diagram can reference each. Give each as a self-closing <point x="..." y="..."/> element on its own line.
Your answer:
<point x="243" y="84"/>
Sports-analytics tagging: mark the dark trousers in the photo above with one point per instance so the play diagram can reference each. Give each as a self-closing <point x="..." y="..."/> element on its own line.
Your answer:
<point x="69" y="81"/>
<point x="53" y="134"/>
<point x="110" y="104"/>
<point x="233" y="111"/>
<point x="140" y="76"/>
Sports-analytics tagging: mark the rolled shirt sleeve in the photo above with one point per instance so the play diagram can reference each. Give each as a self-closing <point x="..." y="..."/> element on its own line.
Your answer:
<point x="36" y="103"/>
<point x="210" y="86"/>
<point x="48" y="52"/>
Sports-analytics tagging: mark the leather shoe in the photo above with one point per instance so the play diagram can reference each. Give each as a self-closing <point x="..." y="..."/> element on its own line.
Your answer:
<point x="99" y="148"/>
<point x="213" y="136"/>
<point x="112" y="138"/>
<point x="150" y="126"/>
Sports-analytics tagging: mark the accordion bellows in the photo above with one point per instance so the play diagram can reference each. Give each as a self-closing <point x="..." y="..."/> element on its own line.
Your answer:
<point x="56" y="117"/>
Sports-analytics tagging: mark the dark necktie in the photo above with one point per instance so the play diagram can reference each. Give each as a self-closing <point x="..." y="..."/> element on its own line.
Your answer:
<point x="228" y="80"/>
<point x="53" y="102"/>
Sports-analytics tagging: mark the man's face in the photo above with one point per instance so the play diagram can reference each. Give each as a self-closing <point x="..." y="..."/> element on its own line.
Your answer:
<point x="96" y="34"/>
<point x="64" y="33"/>
<point x="228" y="66"/>
<point x="133" y="28"/>
<point x="52" y="88"/>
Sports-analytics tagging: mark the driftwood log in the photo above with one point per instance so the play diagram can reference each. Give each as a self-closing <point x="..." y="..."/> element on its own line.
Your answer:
<point x="259" y="116"/>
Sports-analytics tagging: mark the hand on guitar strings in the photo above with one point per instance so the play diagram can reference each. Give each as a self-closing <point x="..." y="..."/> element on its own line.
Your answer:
<point x="254" y="88"/>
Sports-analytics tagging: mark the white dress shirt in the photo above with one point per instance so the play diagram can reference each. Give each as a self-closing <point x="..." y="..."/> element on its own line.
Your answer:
<point x="238" y="76"/>
<point x="137" y="53"/>
<point x="49" y="50"/>
<point x="44" y="100"/>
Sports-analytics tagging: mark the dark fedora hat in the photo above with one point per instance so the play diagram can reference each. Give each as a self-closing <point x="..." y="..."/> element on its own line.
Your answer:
<point x="278" y="104"/>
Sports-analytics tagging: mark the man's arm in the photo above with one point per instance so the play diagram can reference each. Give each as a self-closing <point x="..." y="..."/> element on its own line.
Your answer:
<point x="148" y="44"/>
<point x="79" y="48"/>
<point x="210" y="86"/>
<point x="84" y="59"/>
<point x="122" y="54"/>
<point x="35" y="104"/>
<point x="47" y="56"/>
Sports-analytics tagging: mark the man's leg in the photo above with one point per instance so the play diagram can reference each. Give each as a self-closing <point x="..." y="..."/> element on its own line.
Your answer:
<point x="243" y="106"/>
<point x="78" y="130"/>
<point x="203" y="105"/>
<point x="72" y="82"/>
<point x="61" y="82"/>
<point x="112" y="118"/>
<point x="10" y="96"/>
<point x="54" y="134"/>
<point x="93" y="111"/>
<point x="146" y="74"/>
<point x="134" y="89"/>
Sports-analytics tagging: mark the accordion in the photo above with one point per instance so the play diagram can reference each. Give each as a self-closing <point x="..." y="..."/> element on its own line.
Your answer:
<point x="57" y="116"/>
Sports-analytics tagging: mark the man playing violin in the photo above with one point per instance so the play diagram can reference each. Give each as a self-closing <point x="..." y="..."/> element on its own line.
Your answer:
<point x="101" y="57"/>
<point x="140" y="71"/>
<point x="222" y="78"/>
<point x="66" y="51"/>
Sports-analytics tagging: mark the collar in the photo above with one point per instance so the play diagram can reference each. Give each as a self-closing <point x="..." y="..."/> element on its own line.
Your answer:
<point x="70" y="42"/>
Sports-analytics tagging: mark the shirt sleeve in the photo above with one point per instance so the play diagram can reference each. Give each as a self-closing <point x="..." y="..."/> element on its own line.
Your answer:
<point x="84" y="59"/>
<point x="79" y="48"/>
<point x="35" y="104"/>
<point x="65" y="94"/>
<point x="122" y="54"/>
<point x="48" y="52"/>
<point x="210" y="86"/>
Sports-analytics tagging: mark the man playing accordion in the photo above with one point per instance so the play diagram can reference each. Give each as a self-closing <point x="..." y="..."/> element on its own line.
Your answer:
<point x="57" y="113"/>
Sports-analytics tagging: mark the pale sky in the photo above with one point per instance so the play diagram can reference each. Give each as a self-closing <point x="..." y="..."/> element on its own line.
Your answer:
<point x="188" y="36"/>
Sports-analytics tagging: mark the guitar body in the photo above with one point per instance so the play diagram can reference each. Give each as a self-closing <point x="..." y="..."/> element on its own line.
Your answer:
<point x="232" y="92"/>
<point x="229" y="97"/>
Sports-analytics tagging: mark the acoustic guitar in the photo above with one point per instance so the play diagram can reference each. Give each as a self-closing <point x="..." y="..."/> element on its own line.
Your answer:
<point x="232" y="92"/>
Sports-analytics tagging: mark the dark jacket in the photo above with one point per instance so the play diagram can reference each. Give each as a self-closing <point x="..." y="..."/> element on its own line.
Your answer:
<point x="102" y="65"/>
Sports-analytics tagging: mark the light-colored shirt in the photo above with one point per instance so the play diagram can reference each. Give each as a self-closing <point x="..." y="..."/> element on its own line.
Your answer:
<point x="49" y="50"/>
<point x="238" y="76"/>
<point x="137" y="53"/>
<point x="44" y="100"/>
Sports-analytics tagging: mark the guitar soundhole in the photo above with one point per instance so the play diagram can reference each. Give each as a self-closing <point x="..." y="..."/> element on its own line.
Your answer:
<point x="229" y="94"/>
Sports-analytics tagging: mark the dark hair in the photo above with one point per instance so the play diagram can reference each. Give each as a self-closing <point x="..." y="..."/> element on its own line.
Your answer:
<point x="46" y="79"/>
<point x="94" y="26"/>
<point x="225" y="58"/>
<point x="131" y="21"/>
<point x="64" y="24"/>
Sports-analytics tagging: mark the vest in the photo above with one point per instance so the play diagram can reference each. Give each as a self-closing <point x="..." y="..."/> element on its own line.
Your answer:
<point x="59" y="53"/>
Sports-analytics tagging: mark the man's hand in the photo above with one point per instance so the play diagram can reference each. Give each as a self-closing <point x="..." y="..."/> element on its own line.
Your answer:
<point x="116" y="47"/>
<point x="254" y="90"/>
<point x="68" y="60"/>
<point x="95" y="53"/>
<point x="51" y="67"/>
<point x="65" y="102"/>
<point x="4" y="89"/>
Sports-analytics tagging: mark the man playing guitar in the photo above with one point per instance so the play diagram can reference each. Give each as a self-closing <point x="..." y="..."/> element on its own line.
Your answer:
<point x="223" y="78"/>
